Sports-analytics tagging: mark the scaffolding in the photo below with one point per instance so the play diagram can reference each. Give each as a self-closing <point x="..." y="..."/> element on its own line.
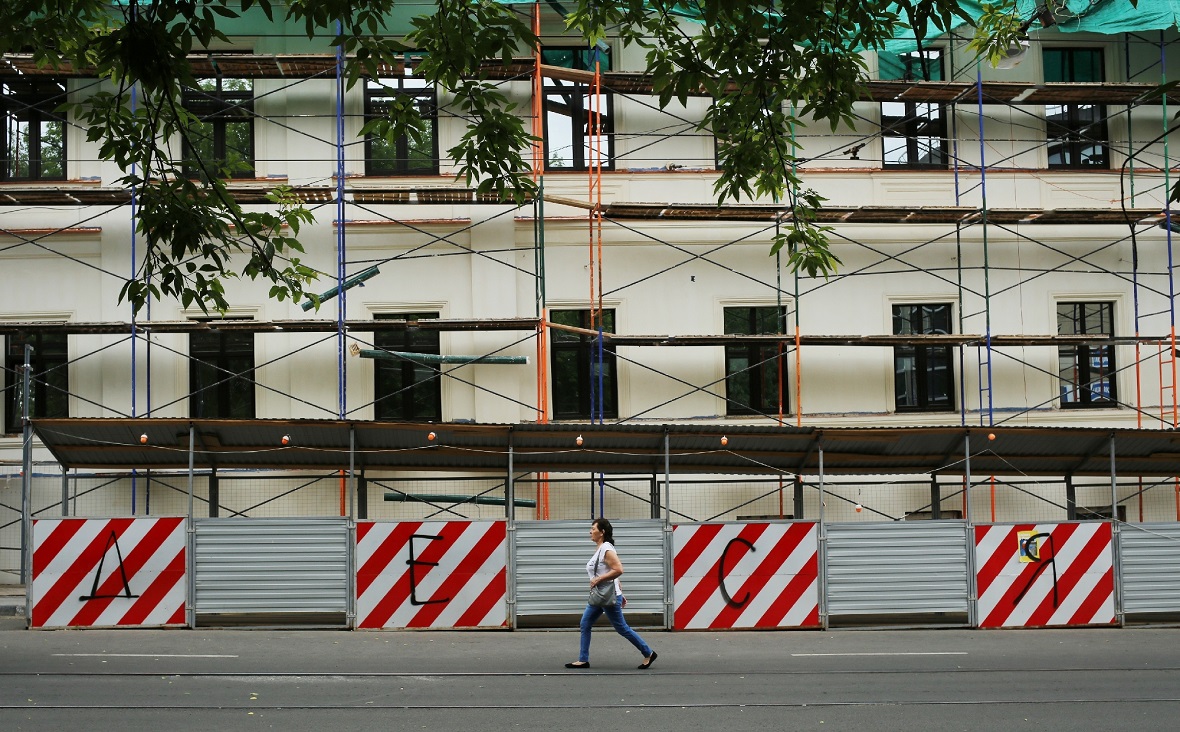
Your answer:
<point x="969" y="222"/>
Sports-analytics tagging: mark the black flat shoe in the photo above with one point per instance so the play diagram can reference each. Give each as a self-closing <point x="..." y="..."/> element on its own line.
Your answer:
<point x="648" y="662"/>
<point x="578" y="664"/>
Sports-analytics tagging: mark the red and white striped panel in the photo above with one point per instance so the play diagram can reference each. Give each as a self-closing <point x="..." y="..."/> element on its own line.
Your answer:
<point x="109" y="572"/>
<point x="756" y="575"/>
<point x="434" y="574"/>
<point x="1039" y="575"/>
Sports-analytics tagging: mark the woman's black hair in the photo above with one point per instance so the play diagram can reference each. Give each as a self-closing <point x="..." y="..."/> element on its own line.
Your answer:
<point x="608" y="531"/>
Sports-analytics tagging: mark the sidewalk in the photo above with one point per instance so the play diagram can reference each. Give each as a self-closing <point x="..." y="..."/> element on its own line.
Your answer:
<point x="12" y="600"/>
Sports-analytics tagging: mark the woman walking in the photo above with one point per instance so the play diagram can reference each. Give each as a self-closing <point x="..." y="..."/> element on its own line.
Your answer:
<point x="605" y="566"/>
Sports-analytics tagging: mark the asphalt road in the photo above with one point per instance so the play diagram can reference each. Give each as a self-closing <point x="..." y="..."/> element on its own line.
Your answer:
<point x="296" y="680"/>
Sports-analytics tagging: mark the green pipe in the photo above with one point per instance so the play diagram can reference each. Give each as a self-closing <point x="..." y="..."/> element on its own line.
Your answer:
<point x="453" y="499"/>
<point x="349" y="283"/>
<point x="433" y="358"/>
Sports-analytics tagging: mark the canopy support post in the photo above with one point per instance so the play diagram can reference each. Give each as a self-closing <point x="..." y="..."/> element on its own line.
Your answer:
<point x="822" y="538"/>
<point x="26" y="483"/>
<point x="1115" y="531"/>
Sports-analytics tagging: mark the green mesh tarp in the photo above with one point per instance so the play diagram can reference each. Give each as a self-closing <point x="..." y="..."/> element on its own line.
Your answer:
<point x="1108" y="17"/>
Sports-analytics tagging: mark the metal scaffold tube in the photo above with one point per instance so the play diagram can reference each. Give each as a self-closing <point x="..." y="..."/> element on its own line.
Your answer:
<point x="540" y="309"/>
<point x="958" y="256"/>
<point x="134" y="322"/>
<point x="1171" y="268"/>
<point x="986" y="283"/>
<point x="342" y="291"/>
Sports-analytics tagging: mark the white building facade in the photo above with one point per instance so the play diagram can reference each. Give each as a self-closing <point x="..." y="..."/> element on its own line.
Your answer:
<point x="1004" y="244"/>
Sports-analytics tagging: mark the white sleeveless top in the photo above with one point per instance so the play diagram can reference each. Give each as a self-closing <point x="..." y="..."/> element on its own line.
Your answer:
<point x="597" y="564"/>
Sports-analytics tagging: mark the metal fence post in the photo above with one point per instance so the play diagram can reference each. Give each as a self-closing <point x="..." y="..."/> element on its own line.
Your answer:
<point x="350" y="550"/>
<point x="667" y="479"/>
<point x="823" y="541"/>
<point x="65" y="491"/>
<point x="26" y="493"/>
<point x="967" y="476"/>
<point x="509" y="488"/>
<point x="669" y="545"/>
<point x="1115" y="533"/>
<point x="191" y="610"/>
<point x="969" y="538"/>
<point x="510" y="535"/>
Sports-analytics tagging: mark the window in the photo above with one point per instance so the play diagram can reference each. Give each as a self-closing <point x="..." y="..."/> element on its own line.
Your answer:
<point x="576" y="373"/>
<point x="407" y="154"/>
<point x="571" y="136"/>
<point x="34" y="135"/>
<point x="222" y="139"/>
<point x="1087" y="372"/>
<point x="1076" y="132"/>
<point x="49" y="382"/>
<point x="913" y="135"/>
<point x="407" y="390"/>
<point x="923" y="376"/>
<point x="221" y="375"/>
<point x="754" y="372"/>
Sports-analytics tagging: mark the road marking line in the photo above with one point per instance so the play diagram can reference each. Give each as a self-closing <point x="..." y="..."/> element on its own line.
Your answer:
<point x="931" y="653"/>
<point x="147" y="655"/>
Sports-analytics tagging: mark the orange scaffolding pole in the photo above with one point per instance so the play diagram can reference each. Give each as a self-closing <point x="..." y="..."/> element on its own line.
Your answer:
<point x="542" y="329"/>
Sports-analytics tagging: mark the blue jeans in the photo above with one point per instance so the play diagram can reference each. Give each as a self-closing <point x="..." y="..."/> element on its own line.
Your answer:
<point x="614" y="614"/>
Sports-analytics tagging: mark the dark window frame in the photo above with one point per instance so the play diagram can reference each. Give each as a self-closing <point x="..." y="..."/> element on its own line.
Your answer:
<point x="399" y="402"/>
<point x="571" y="400"/>
<point x="574" y="104"/>
<point x="219" y="108"/>
<point x="34" y="103"/>
<point x="765" y="373"/>
<point x="917" y="122"/>
<point x="1077" y="392"/>
<point x="1076" y="128"/>
<point x="217" y="359"/>
<point x="926" y="360"/>
<point x="379" y="93"/>
<point x="50" y="377"/>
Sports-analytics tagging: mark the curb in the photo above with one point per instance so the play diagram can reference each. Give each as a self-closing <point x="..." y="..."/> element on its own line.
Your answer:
<point x="11" y="609"/>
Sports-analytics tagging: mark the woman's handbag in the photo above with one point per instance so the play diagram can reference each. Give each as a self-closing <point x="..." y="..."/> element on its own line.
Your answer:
<point x="603" y="593"/>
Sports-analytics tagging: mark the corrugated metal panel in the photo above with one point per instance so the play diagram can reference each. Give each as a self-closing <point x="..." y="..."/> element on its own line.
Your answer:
<point x="897" y="568"/>
<point x="551" y="561"/>
<point x="1149" y="555"/>
<point x="264" y="565"/>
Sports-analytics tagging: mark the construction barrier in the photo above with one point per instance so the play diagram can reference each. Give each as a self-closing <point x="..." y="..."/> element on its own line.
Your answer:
<point x="462" y="574"/>
<point x="745" y="575"/>
<point x="1042" y="575"/>
<point x="436" y="574"/>
<point x="126" y="572"/>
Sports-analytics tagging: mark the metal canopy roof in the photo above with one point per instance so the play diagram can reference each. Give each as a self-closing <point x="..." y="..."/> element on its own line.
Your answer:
<point x="617" y="449"/>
